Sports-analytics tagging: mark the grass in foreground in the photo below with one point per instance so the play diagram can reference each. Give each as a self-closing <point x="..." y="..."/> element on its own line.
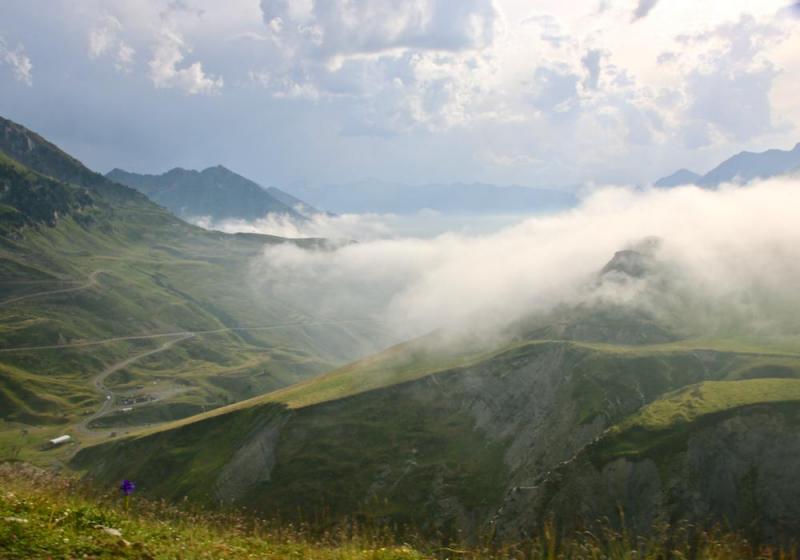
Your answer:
<point x="43" y="515"/>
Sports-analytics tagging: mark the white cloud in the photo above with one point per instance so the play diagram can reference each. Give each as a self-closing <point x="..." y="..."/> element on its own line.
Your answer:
<point x="722" y="273"/>
<point x="729" y="89"/>
<point x="346" y="27"/>
<point x="105" y="39"/>
<point x="166" y="70"/>
<point x="409" y="63"/>
<point x="343" y="227"/>
<point x="18" y="61"/>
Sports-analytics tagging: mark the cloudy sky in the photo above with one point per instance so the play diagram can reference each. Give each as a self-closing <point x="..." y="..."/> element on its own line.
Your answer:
<point x="531" y="92"/>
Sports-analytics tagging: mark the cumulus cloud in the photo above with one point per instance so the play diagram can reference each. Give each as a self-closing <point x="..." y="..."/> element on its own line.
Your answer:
<point x="722" y="274"/>
<point x="729" y="91"/>
<point x="167" y="71"/>
<point x="345" y="27"/>
<point x="18" y="61"/>
<point x="555" y="89"/>
<point x="105" y="38"/>
<point x="408" y="63"/>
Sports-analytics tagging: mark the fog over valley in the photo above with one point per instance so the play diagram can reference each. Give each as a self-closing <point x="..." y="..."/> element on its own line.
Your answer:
<point x="725" y="265"/>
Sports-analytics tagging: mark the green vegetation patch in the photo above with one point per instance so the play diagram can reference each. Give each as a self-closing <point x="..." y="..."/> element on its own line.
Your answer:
<point x="663" y="426"/>
<point x="688" y="404"/>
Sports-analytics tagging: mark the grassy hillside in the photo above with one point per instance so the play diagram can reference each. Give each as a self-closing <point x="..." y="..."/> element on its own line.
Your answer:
<point x="428" y="438"/>
<point x="691" y="403"/>
<point x="747" y="357"/>
<point x="660" y="427"/>
<point x="104" y="293"/>
<point x="46" y="516"/>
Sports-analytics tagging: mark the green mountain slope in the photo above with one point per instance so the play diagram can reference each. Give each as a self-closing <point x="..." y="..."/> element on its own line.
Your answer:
<point x="28" y="198"/>
<point x="34" y="152"/>
<point x="104" y="293"/>
<point x="439" y="446"/>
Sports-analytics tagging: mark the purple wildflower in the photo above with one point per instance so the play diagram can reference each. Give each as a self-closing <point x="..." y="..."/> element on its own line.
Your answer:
<point x="127" y="487"/>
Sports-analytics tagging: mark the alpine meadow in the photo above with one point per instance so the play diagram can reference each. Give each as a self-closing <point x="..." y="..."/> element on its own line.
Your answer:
<point x="384" y="280"/>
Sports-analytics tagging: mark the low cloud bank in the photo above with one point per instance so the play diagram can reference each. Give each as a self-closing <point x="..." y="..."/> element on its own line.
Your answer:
<point x="364" y="227"/>
<point x="339" y="227"/>
<point x="727" y="257"/>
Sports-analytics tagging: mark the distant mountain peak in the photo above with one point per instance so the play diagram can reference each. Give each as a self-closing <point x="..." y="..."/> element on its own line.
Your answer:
<point x="744" y="167"/>
<point x="681" y="177"/>
<point x="219" y="168"/>
<point x="215" y="192"/>
<point x="635" y="261"/>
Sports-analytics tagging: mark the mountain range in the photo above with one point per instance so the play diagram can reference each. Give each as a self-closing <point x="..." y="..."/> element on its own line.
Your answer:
<point x="741" y="168"/>
<point x="220" y="194"/>
<point x="216" y="192"/>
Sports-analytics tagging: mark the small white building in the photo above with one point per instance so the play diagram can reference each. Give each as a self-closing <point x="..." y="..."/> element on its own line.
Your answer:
<point x="60" y="440"/>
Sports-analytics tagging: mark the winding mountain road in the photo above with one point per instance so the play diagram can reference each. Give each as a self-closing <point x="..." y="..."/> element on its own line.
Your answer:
<point x="275" y="326"/>
<point x="91" y="282"/>
<point x="98" y="380"/>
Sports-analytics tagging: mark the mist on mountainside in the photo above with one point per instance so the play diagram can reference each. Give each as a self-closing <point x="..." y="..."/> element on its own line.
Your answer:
<point x="726" y="262"/>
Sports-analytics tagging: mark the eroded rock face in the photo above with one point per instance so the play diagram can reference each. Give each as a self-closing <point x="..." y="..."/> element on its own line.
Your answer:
<point x="252" y="463"/>
<point x="744" y="469"/>
<point x="739" y="470"/>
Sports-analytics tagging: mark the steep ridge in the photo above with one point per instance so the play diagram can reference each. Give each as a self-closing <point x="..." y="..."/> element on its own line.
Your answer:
<point x="27" y="198"/>
<point x="34" y="152"/>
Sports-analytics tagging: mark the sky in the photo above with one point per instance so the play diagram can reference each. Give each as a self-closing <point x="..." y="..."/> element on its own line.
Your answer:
<point x="527" y="92"/>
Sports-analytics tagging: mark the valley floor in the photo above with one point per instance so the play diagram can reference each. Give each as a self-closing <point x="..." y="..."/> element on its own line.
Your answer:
<point x="45" y="515"/>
